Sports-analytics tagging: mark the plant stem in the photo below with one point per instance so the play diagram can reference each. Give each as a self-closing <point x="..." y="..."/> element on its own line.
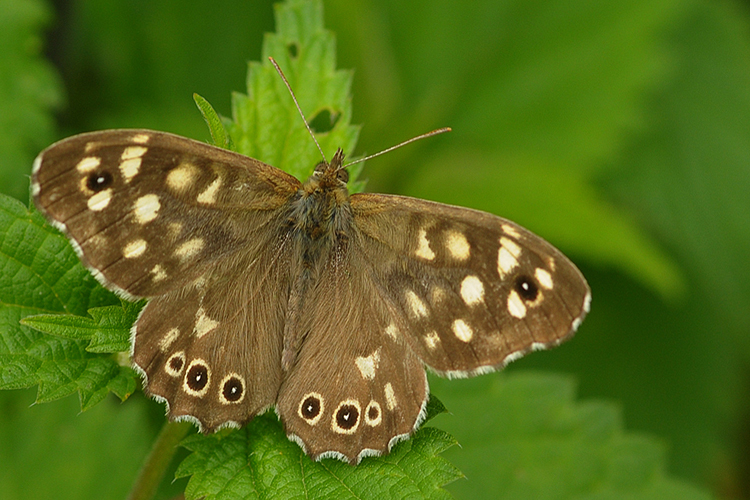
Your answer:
<point x="158" y="460"/>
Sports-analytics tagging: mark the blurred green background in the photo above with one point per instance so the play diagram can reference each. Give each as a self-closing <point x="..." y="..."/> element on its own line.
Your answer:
<point x="619" y="131"/>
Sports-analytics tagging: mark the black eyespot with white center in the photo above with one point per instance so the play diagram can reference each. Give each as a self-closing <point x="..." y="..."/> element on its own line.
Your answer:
<point x="346" y="417"/>
<point x="197" y="378"/>
<point x="232" y="389"/>
<point x="526" y="288"/>
<point x="311" y="408"/>
<point x="99" y="181"/>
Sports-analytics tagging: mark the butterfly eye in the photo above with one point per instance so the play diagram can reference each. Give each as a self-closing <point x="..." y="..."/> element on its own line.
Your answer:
<point x="343" y="176"/>
<point x="320" y="168"/>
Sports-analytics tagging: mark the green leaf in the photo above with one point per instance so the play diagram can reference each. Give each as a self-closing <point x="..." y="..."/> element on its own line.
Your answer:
<point x="108" y="328"/>
<point x="259" y="462"/>
<point x="29" y="91"/>
<point x="40" y="273"/>
<point x="525" y="436"/>
<point x="267" y="125"/>
<point x="219" y="133"/>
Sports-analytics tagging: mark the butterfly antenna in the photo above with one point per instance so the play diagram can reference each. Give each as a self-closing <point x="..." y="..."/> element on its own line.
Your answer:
<point x="294" y="98"/>
<point x="413" y="139"/>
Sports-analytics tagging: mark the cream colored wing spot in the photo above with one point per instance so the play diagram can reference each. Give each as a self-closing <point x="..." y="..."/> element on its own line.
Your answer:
<point x="168" y="339"/>
<point x="392" y="331"/>
<point x="457" y="245"/>
<point x="197" y="378"/>
<point x="507" y="256"/>
<point x="100" y="200"/>
<point x="140" y="138"/>
<point x="346" y="418"/>
<point x="208" y="196"/>
<point x="390" y="397"/>
<point x="203" y="324"/>
<point x="462" y="330"/>
<point x="551" y="263"/>
<point x="174" y="230"/>
<point x="146" y="208"/>
<point x="544" y="278"/>
<point x="511" y="231"/>
<point x="175" y="364"/>
<point x="516" y="307"/>
<point x="130" y="161"/>
<point x="158" y="273"/>
<point x="232" y="389"/>
<point x="134" y="249"/>
<point x="432" y="340"/>
<point x="437" y="295"/>
<point x="423" y="250"/>
<point x="373" y="414"/>
<point x="182" y="178"/>
<point x="368" y="364"/>
<point x="417" y="307"/>
<point x="472" y="290"/>
<point x="311" y="407"/>
<point x="189" y="249"/>
<point x="88" y="164"/>
<point x="130" y="168"/>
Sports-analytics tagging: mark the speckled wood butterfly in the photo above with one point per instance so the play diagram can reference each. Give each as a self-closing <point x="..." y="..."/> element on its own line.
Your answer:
<point x="265" y="291"/>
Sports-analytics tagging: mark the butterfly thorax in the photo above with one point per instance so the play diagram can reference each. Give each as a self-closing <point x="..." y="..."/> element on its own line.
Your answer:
<point x="321" y="221"/>
<point x="321" y="213"/>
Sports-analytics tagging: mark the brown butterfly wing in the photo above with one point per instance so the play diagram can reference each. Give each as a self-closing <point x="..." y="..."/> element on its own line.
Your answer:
<point x="356" y="387"/>
<point x="471" y="291"/>
<point x="150" y="211"/>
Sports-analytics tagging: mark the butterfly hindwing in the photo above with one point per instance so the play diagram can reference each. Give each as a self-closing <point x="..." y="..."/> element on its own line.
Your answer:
<point x="211" y="349"/>
<point x="356" y="387"/>
<point x="149" y="211"/>
<point x="473" y="291"/>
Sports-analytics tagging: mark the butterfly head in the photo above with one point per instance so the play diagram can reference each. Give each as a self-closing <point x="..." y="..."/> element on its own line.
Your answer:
<point x="329" y="175"/>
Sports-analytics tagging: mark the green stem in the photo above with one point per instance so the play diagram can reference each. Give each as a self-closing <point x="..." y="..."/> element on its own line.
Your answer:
<point x="158" y="460"/>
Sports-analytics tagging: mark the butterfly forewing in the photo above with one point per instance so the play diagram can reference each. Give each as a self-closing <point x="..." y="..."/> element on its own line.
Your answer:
<point x="150" y="211"/>
<point x="471" y="290"/>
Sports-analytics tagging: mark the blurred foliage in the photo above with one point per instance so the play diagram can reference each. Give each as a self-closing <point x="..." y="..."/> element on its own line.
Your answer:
<point x="620" y="131"/>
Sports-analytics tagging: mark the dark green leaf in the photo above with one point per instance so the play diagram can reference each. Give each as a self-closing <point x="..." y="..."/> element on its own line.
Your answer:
<point x="259" y="462"/>
<point x="39" y="273"/>
<point x="108" y="328"/>
<point x="219" y="133"/>
<point x="524" y="436"/>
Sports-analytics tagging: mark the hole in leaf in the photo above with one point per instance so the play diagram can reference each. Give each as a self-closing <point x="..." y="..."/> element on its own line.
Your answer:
<point x="324" y="121"/>
<point x="292" y="49"/>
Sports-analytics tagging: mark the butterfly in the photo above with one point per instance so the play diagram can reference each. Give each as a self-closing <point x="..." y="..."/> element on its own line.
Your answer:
<point x="268" y="292"/>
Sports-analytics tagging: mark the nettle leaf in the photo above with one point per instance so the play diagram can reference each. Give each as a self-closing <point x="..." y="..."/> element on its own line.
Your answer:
<point x="259" y="462"/>
<point x="267" y="125"/>
<point x="108" y="328"/>
<point x="40" y="273"/>
<point x="219" y="133"/>
<point x="527" y="437"/>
